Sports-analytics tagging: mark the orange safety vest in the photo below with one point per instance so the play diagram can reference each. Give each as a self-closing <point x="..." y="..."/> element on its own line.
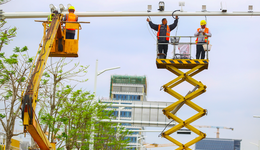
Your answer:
<point x="167" y="32"/>
<point x="71" y="17"/>
<point x="206" y="37"/>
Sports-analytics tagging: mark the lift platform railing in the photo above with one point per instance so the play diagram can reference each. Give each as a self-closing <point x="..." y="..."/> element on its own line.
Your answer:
<point x="189" y="41"/>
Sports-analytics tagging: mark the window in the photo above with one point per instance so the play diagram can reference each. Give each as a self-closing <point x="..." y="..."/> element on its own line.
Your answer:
<point x="126" y="124"/>
<point x="115" y="113"/>
<point x="125" y="114"/>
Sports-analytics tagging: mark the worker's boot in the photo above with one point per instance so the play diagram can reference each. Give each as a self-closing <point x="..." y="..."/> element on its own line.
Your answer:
<point x="161" y="56"/>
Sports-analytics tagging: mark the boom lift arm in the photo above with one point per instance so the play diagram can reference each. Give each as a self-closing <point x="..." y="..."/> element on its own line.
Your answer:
<point x="29" y="100"/>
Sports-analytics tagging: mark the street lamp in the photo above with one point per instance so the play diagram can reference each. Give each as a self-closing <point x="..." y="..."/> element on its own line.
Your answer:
<point x="91" y="146"/>
<point x="258" y="145"/>
<point x="256" y="116"/>
<point x="99" y="73"/>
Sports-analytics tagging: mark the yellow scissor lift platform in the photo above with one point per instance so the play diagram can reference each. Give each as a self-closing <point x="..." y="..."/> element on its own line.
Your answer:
<point x="174" y="66"/>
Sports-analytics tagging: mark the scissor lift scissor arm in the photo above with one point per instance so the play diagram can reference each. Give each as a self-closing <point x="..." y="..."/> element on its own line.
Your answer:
<point x="174" y="66"/>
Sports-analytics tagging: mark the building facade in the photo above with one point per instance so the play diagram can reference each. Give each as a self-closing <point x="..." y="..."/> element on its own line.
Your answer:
<point x="124" y="90"/>
<point x="218" y="144"/>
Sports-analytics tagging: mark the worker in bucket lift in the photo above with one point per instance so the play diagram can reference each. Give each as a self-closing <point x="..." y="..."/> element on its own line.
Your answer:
<point x="70" y="33"/>
<point x="50" y="17"/>
<point x="202" y="38"/>
<point x="163" y="30"/>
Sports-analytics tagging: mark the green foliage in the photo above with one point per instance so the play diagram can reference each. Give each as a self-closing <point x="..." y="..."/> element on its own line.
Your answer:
<point x="14" y="69"/>
<point x="46" y="74"/>
<point x="2" y="55"/>
<point x="30" y="60"/>
<point x="6" y="34"/>
<point x="2" y="116"/>
<point x="75" y="117"/>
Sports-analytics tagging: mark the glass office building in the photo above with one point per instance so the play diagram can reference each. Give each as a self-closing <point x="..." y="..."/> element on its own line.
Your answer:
<point x="218" y="144"/>
<point x="124" y="90"/>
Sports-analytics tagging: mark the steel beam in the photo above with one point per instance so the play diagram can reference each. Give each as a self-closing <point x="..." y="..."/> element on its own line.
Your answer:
<point x="9" y="15"/>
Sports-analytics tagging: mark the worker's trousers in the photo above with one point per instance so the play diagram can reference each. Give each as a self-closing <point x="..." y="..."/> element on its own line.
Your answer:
<point x="200" y="51"/>
<point x="163" y="48"/>
<point x="70" y="35"/>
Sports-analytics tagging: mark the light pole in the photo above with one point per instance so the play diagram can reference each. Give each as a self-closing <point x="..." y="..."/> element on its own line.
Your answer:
<point x="99" y="73"/>
<point x="91" y="145"/>
<point x="258" y="145"/>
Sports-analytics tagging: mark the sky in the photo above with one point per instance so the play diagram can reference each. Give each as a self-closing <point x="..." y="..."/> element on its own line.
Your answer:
<point x="232" y="79"/>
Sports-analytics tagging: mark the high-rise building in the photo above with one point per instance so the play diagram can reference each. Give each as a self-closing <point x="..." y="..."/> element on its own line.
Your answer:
<point x="218" y="144"/>
<point x="133" y="88"/>
<point x="125" y="90"/>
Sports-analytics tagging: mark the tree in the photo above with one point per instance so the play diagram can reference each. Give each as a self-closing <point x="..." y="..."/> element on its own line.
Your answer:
<point x="74" y="122"/>
<point x="66" y="113"/>
<point x="13" y="76"/>
<point x="4" y="1"/>
<point x="54" y="90"/>
<point x="6" y="34"/>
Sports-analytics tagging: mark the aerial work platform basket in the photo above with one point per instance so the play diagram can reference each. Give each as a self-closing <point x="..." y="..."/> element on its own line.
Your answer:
<point x="61" y="46"/>
<point x="69" y="47"/>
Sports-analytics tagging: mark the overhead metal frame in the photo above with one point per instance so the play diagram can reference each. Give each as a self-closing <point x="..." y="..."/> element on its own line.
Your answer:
<point x="9" y="15"/>
<point x="174" y="67"/>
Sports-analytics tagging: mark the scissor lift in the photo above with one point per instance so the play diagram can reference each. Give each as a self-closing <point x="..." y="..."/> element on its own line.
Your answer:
<point x="174" y="66"/>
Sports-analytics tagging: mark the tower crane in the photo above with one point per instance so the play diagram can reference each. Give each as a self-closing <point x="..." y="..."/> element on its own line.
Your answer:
<point x="218" y="127"/>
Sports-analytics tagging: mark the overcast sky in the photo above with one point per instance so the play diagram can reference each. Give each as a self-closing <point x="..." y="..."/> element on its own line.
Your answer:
<point x="232" y="79"/>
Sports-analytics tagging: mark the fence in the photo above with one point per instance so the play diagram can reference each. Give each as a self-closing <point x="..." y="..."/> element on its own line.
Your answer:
<point x="185" y="47"/>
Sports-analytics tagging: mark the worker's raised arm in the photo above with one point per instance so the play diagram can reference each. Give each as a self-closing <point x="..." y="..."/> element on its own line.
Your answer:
<point x="175" y="23"/>
<point x="153" y="26"/>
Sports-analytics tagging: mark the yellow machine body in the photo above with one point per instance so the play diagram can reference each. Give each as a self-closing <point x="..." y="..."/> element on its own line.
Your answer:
<point x="174" y="66"/>
<point x="50" y="48"/>
<point x="63" y="47"/>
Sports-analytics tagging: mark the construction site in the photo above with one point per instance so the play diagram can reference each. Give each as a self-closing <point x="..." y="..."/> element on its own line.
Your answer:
<point x="176" y="75"/>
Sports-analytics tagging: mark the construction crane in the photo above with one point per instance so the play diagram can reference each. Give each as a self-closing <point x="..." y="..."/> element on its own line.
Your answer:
<point x="54" y="44"/>
<point x="155" y="145"/>
<point x="218" y="127"/>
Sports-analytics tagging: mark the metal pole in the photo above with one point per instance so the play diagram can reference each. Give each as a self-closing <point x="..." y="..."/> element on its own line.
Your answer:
<point x="10" y="15"/>
<point x="91" y="146"/>
<point x="207" y="49"/>
<point x="174" y="49"/>
<point x="92" y="134"/>
<point x="190" y="46"/>
<point x="95" y="84"/>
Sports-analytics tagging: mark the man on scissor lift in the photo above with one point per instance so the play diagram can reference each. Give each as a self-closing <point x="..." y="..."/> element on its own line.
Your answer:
<point x="163" y="30"/>
<point x="202" y="38"/>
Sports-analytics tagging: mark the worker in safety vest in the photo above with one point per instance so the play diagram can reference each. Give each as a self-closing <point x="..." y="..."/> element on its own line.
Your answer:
<point x="202" y="38"/>
<point x="51" y="16"/>
<point x="70" y="33"/>
<point x="163" y="30"/>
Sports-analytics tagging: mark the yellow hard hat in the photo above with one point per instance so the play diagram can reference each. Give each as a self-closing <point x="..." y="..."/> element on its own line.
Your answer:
<point x="71" y="7"/>
<point x="203" y="22"/>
